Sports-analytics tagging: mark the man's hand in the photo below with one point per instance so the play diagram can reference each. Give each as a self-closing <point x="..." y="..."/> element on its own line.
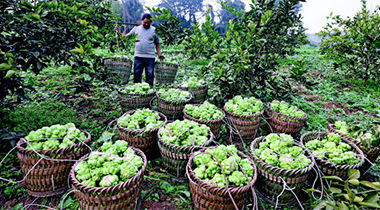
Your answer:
<point x="161" y="57"/>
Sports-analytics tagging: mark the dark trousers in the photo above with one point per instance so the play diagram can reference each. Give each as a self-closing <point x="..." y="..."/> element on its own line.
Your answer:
<point x="139" y="65"/>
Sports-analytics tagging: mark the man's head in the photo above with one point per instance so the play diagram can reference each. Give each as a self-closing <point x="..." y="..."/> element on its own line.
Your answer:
<point x="146" y="20"/>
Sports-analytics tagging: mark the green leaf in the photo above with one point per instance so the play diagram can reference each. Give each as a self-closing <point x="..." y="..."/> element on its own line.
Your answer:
<point x="335" y="190"/>
<point x="372" y="198"/>
<point x="9" y="74"/>
<point x="336" y="178"/>
<point x="368" y="204"/>
<point x="353" y="174"/>
<point x="354" y="182"/>
<point x="5" y="66"/>
<point x="373" y="185"/>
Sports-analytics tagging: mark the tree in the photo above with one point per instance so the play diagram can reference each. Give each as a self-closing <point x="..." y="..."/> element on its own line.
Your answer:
<point x="186" y="11"/>
<point x="225" y="14"/>
<point x="130" y="11"/>
<point x="354" y="44"/>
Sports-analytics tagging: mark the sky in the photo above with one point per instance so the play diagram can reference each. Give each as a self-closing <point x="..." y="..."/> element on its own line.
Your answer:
<point x="314" y="12"/>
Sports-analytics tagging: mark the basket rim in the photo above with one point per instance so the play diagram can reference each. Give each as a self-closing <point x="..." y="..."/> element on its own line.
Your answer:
<point x="90" y="189"/>
<point x="243" y="116"/>
<point x="166" y="63"/>
<point x="204" y="121"/>
<point x="276" y="169"/>
<point x="331" y="128"/>
<point x="174" y="102"/>
<point x="180" y="86"/>
<point x="231" y="189"/>
<point x="270" y="112"/>
<point x="116" y="58"/>
<point x="354" y="147"/>
<point x="119" y="90"/>
<point x="136" y="132"/>
<point x="84" y="143"/>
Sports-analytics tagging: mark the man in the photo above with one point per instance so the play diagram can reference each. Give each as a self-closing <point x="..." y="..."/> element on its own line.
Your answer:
<point x="147" y="40"/>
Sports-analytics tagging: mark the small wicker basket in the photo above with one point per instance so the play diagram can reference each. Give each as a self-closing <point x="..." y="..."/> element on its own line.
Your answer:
<point x="175" y="157"/>
<point x="243" y="127"/>
<point x="271" y="179"/>
<point x="48" y="177"/>
<point x="280" y="123"/>
<point x="144" y="140"/>
<point x="207" y="197"/>
<point x="121" y="196"/>
<point x="121" y="67"/>
<point x="173" y="110"/>
<point x="199" y="93"/>
<point x="130" y="101"/>
<point x="329" y="168"/>
<point x="213" y="124"/>
<point x="371" y="153"/>
<point x="165" y="72"/>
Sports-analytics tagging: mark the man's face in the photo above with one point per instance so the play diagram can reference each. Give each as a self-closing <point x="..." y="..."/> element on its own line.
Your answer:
<point x="146" y="23"/>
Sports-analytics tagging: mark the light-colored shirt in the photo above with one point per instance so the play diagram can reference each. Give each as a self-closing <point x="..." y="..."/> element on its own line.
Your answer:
<point x="145" y="41"/>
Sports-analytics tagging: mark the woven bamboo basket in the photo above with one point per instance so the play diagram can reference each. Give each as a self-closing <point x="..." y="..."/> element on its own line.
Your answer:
<point x="280" y="123"/>
<point x="165" y="72"/>
<point x="48" y="177"/>
<point x="119" y="68"/>
<point x="130" y="101"/>
<point x="371" y="154"/>
<point x="122" y="196"/>
<point x="175" y="157"/>
<point x="173" y="110"/>
<point x="144" y="140"/>
<point x="207" y="197"/>
<point x="213" y="124"/>
<point x="243" y="126"/>
<point x="329" y="168"/>
<point x="271" y="179"/>
<point x="199" y="93"/>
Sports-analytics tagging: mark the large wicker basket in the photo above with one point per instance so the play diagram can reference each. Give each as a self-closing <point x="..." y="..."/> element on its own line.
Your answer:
<point x="122" y="196"/>
<point x="199" y="93"/>
<point x="280" y="123"/>
<point x="243" y="127"/>
<point x="207" y="197"/>
<point x="271" y="179"/>
<point x="175" y="157"/>
<point x="329" y="168"/>
<point x="371" y="153"/>
<point x="213" y="124"/>
<point x="144" y="140"/>
<point x="165" y="72"/>
<point x="48" y="176"/>
<point x="119" y="69"/>
<point x="130" y="101"/>
<point x="173" y="110"/>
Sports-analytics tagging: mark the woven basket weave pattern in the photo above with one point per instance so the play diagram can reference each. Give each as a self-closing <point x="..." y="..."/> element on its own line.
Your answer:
<point x="120" y="66"/>
<point x="49" y="177"/>
<point x="199" y="93"/>
<point x="165" y="72"/>
<point x="173" y="110"/>
<point x="121" y="196"/>
<point x="130" y="101"/>
<point x="206" y="196"/>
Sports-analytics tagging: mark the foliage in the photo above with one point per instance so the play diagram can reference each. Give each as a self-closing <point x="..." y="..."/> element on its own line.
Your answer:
<point x="225" y="14"/>
<point x="354" y="44"/>
<point x="129" y="11"/>
<point x="186" y="11"/>
<point x="12" y="173"/>
<point x="349" y="194"/>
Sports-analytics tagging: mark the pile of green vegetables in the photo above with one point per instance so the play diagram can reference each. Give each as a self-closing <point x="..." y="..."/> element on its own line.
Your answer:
<point x="205" y="111"/>
<point x="184" y="133"/>
<point x="55" y="137"/>
<point x="369" y="136"/>
<point x="222" y="166"/>
<point x="138" y="88"/>
<point x="193" y="82"/>
<point x="174" y="94"/>
<point x="286" y="109"/>
<point x="333" y="149"/>
<point x="279" y="150"/>
<point x="244" y="106"/>
<point x="141" y="119"/>
<point x="115" y="164"/>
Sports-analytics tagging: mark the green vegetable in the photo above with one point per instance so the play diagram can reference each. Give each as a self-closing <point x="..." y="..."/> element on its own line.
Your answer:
<point x="244" y="106"/>
<point x="193" y="82"/>
<point x="138" y="88"/>
<point x="205" y="111"/>
<point x="174" y="94"/>
<point x="286" y="109"/>
<point x="141" y="119"/>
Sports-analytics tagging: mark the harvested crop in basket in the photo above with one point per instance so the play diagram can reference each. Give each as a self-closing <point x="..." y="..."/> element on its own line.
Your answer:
<point x="205" y="111"/>
<point x="333" y="149"/>
<point x="193" y="82"/>
<point x="185" y="133"/>
<point x="224" y="167"/>
<point x="138" y="88"/>
<point x="141" y="119"/>
<point x="279" y="150"/>
<point x="244" y="106"/>
<point x="115" y="164"/>
<point x="174" y="94"/>
<point x="286" y="109"/>
<point x="369" y="136"/>
<point x="54" y="137"/>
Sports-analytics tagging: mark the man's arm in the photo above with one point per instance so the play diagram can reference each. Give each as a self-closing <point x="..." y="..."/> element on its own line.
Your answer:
<point x="158" y="49"/>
